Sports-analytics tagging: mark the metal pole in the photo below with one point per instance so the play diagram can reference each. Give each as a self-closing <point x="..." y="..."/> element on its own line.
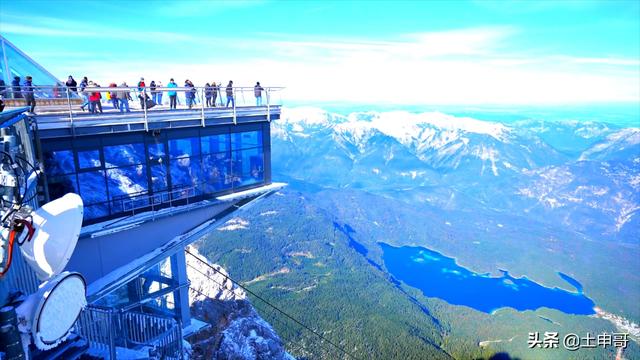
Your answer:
<point x="73" y="133"/>
<point x="268" y="105"/>
<point x="144" y="107"/>
<point x="202" y="107"/>
<point x="234" y="106"/>
<point x="112" y="343"/>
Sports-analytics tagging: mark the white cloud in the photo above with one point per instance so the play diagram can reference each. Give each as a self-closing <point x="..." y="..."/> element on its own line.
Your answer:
<point x="460" y="66"/>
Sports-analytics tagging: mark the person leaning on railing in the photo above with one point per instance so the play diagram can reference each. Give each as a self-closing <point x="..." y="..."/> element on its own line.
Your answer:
<point x="72" y="84"/>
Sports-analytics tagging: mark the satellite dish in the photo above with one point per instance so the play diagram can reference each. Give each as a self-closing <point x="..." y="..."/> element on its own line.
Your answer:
<point x="57" y="225"/>
<point x="50" y="313"/>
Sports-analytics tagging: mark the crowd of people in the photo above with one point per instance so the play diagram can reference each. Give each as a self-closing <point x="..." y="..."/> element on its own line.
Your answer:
<point x="148" y="95"/>
<point x="152" y="94"/>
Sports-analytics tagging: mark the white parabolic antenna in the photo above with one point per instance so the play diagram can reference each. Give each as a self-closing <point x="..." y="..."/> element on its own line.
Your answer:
<point x="55" y="308"/>
<point x="57" y="225"/>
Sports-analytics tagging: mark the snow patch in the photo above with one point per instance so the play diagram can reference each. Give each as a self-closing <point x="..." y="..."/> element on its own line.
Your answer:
<point x="234" y="224"/>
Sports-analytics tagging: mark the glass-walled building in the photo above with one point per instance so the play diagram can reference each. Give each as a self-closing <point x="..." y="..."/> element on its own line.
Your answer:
<point x="119" y="175"/>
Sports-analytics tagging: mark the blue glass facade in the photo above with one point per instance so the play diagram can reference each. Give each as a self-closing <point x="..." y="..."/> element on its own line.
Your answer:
<point x="117" y="174"/>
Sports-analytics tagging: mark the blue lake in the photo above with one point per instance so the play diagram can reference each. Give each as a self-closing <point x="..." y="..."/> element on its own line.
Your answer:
<point x="439" y="276"/>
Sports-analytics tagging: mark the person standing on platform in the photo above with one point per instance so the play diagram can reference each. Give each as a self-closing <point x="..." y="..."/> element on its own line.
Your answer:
<point x="152" y="87"/>
<point x="230" y="94"/>
<point x="214" y="94"/>
<point x="85" y="96"/>
<point x="143" y="92"/>
<point x="189" y="93"/>
<point x="113" y="95"/>
<point x="15" y="88"/>
<point x="123" y="97"/>
<point x="29" y="95"/>
<point x="208" y="94"/>
<point x="72" y="84"/>
<point x="172" y="94"/>
<point x="257" y="90"/>
<point x="158" y="99"/>
<point x="94" y="97"/>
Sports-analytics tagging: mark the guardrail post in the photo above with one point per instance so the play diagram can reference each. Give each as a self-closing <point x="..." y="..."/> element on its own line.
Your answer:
<point x="144" y="107"/>
<point x="73" y="132"/>
<point x="112" y="340"/>
<point x="268" y="105"/>
<point x="234" y="106"/>
<point x="202" y="107"/>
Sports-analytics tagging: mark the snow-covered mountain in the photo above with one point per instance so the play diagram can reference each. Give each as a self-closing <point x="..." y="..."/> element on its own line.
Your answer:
<point x="584" y="173"/>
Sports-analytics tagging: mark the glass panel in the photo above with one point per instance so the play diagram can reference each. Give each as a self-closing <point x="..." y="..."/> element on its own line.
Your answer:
<point x="159" y="178"/>
<point x="215" y="143"/>
<point x="119" y="155"/>
<point x="247" y="139"/>
<point x="20" y="66"/>
<point x="59" y="162"/>
<point x="216" y="172"/>
<point x="181" y="147"/>
<point x="248" y="166"/>
<point x="92" y="186"/>
<point x="185" y="172"/>
<point x="156" y="150"/>
<point x="130" y="180"/>
<point x="61" y="185"/>
<point x="4" y="78"/>
<point x="89" y="159"/>
<point x="96" y="211"/>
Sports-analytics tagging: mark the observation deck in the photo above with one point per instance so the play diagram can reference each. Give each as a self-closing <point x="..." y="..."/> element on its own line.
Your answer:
<point x="152" y="156"/>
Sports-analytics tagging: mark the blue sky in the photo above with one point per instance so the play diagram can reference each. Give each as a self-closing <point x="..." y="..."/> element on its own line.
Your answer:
<point x="413" y="52"/>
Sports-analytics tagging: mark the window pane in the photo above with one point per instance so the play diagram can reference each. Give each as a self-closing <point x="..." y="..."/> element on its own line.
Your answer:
<point x="96" y="211"/>
<point x="61" y="185"/>
<point x="216" y="172"/>
<point x="119" y="155"/>
<point x="92" y="186"/>
<point x="59" y="162"/>
<point x="181" y="147"/>
<point x="215" y="143"/>
<point x="248" y="166"/>
<point x="247" y="139"/>
<point x="156" y="150"/>
<point x="159" y="178"/>
<point x="130" y="180"/>
<point x="185" y="172"/>
<point x="89" y="159"/>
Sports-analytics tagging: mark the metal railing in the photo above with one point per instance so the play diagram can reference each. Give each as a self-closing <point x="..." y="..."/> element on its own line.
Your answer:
<point x="146" y="101"/>
<point x="144" y="199"/>
<point x="107" y="329"/>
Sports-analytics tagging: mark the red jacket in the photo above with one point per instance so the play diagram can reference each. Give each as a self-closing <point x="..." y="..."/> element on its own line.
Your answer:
<point x="95" y="96"/>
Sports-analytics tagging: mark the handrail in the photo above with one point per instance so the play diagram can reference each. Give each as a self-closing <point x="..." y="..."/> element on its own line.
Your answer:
<point x="106" y="329"/>
<point x="52" y="105"/>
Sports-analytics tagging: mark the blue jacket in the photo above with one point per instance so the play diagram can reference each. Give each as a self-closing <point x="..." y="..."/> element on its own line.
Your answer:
<point x="27" y="88"/>
<point x="172" y="85"/>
